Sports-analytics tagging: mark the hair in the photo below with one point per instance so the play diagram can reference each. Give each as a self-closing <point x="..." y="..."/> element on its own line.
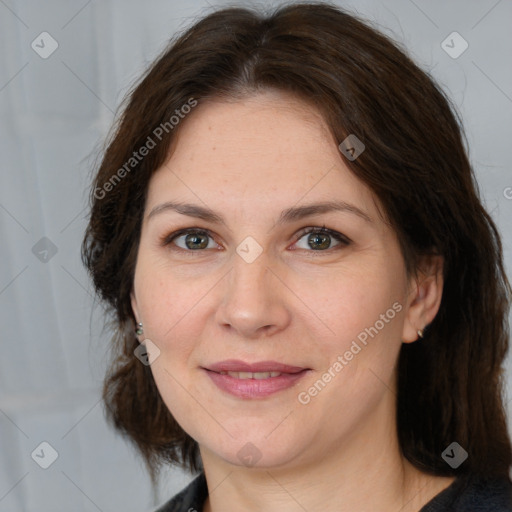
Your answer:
<point x="450" y="384"/>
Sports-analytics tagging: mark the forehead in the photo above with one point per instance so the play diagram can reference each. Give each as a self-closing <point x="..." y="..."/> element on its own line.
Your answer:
<point x="269" y="148"/>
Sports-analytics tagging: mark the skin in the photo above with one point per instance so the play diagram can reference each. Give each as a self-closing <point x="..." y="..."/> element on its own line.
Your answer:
<point x="249" y="160"/>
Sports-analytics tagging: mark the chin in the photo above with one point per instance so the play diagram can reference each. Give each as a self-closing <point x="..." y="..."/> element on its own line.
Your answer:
<point x="256" y="451"/>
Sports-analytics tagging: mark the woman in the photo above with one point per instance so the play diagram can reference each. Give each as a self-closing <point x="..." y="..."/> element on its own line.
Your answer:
<point x="310" y="298"/>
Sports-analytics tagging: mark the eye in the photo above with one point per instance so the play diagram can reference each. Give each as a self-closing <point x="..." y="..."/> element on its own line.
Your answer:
<point x="191" y="239"/>
<point x="320" y="239"/>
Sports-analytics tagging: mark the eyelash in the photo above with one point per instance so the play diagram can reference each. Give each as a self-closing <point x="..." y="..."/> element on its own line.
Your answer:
<point x="342" y="239"/>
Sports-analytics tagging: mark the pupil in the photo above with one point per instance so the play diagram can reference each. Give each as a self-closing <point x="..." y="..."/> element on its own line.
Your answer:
<point x="196" y="241"/>
<point x="319" y="238"/>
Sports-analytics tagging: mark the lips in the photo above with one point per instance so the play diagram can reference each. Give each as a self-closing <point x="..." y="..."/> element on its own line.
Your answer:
<point x="252" y="375"/>
<point x="254" y="380"/>
<point x="234" y="365"/>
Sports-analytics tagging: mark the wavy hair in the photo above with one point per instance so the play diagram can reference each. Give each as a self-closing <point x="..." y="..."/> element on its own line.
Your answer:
<point x="450" y="383"/>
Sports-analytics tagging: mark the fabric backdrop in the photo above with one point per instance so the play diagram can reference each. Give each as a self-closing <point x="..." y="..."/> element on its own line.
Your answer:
<point x="65" y="66"/>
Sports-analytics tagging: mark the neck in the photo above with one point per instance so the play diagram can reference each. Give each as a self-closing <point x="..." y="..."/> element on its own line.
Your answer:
<point x="363" y="472"/>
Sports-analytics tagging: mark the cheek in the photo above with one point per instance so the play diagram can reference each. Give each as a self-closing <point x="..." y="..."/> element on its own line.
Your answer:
<point x="363" y="315"/>
<point x="357" y="306"/>
<point x="336" y="307"/>
<point x="168" y="302"/>
<point x="329" y="313"/>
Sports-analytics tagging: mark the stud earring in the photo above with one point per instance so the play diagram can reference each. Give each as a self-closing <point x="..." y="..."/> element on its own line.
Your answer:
<point x="139" y="329"/>
<point x="420" y="333"/>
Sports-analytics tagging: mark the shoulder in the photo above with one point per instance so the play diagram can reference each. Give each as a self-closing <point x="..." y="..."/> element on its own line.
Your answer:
<point x="190" y="499"/>
<point x="473" y="494"/>
<point x="470" y="494"/>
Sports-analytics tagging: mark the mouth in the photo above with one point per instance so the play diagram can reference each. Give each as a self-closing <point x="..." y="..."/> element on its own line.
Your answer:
<point x="251" y="375"/>
<point x="254" y="380"/>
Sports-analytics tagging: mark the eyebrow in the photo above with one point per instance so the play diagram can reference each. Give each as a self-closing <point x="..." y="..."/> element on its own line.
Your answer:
<point x="287" y="216"/>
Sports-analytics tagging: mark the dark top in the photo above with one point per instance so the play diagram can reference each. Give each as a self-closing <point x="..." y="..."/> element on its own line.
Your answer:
<point x="463" y="495"/>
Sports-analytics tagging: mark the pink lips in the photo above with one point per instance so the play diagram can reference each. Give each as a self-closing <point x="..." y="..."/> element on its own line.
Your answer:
<point x="259" y="387"/>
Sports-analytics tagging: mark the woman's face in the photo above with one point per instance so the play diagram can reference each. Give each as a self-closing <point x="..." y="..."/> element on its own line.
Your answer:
<point x="314" y="321"/>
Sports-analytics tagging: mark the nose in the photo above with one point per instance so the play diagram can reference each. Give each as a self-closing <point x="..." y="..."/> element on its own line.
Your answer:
<point x="253" y="303"/>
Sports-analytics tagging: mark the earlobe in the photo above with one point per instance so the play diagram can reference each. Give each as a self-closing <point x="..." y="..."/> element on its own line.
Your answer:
<point x="426" y="290"/>
<point x="139" y="328"/>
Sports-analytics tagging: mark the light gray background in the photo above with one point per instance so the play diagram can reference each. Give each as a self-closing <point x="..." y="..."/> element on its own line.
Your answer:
<point x="54" y="115"/>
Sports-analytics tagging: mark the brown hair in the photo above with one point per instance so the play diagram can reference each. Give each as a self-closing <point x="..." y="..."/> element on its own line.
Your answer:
<point x="450" y="383"/>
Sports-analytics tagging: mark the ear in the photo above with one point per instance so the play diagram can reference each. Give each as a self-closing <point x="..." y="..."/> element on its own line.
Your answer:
<point x="424" y="297"/>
